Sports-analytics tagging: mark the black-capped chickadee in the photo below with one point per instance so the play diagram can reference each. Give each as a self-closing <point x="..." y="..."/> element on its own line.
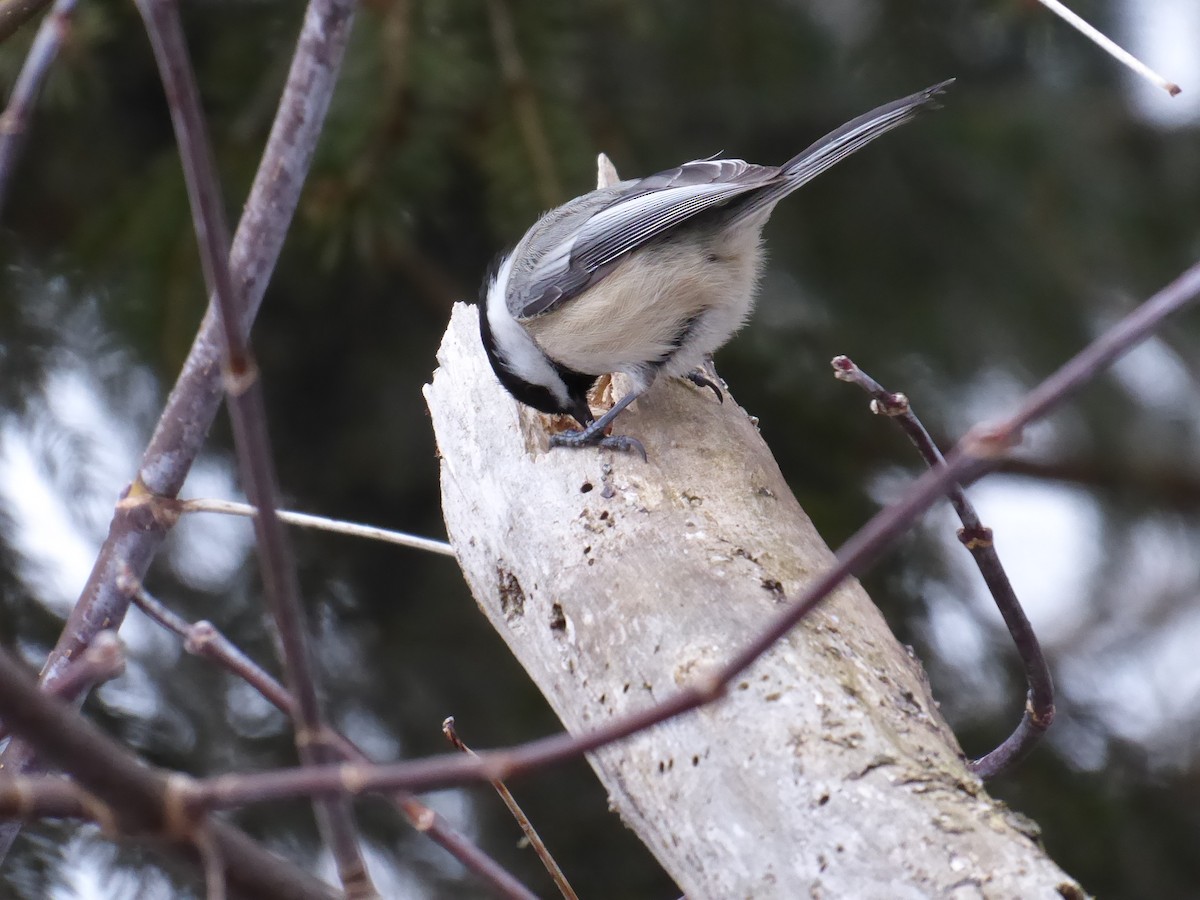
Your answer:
<point x="646" y="277"/>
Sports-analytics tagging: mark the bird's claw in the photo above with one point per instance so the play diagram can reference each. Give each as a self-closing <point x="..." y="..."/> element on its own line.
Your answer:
<point x="625" y="444"/>
<point x="621" y="442"/>
<point x="700" y="380"/>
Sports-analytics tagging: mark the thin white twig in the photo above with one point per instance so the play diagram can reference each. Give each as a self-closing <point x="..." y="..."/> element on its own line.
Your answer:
<point x="1108" y="45"/>
<point x="304" y="520"/>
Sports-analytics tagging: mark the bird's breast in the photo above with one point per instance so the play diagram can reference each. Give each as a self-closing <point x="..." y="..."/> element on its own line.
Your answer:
<point x="667" y="304"/>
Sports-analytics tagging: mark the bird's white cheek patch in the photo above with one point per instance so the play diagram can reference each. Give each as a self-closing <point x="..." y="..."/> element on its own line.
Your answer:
<point x="517" y="348"/>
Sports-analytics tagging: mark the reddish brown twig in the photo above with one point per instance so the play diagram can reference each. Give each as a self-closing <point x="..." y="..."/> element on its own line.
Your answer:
<point x="977" y="538"/>
<point x="134" y="798"/>
<point x="144" y="515"/>
<point x="102" y="661"/>
<point x="203" y="639"/>
<point x="531" y="835"/>
<point x="30" y="798"/>
<point x="975" y="454"/>
<point x="15" y="119"/>
<point x="247" y="410"/>
<point x="33" y="715"/>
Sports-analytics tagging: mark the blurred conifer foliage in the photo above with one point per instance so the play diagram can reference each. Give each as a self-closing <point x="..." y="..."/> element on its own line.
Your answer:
<point x="959" y="260"/>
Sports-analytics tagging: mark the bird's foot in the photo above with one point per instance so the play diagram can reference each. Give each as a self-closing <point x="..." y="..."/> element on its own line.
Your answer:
<point x="589" y="438"/>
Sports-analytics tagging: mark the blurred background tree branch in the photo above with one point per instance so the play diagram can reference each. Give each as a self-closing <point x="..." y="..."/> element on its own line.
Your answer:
<point x="964" y="260"/>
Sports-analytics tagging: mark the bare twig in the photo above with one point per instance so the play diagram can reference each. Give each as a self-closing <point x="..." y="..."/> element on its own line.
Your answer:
<point x="136" y="799"/>
<point x="1120" y="54"/>
<point x="141" y="519"/>
<point x="100" y="662"/>
<point x="103" y="660"/>
<point x="531" y="835"/>
<point x="230" y="791"/>
<point x="978" y="452"/>
<point x="15" y="13"/>
<point x="214" y="869"/>
<point x="247" y="411"/>
<point x="30" y="798"/>
<point x="485" y="868"/>
<point x="26" y="709"/>
<point x="304" y="520"/>
<point x="42" y="53"/>
<point x="203" y="639"/>
<point x="74" y="743"/>
<point x="977" y="538"/>
<point x="41" y="797"/>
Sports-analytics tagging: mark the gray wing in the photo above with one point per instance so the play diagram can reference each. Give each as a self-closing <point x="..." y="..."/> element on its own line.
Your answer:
<point x="606" y="224"/>
<point x="602" y="226"/>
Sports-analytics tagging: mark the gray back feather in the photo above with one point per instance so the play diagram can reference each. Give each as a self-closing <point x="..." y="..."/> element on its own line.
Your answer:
<point x="572" y="247"/>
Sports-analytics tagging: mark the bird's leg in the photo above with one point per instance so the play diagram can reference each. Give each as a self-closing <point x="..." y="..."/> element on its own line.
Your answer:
<point x="592" y="435"/>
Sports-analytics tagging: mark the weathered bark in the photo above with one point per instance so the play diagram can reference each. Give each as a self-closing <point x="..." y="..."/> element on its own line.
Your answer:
<point x="827" y="770"/>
